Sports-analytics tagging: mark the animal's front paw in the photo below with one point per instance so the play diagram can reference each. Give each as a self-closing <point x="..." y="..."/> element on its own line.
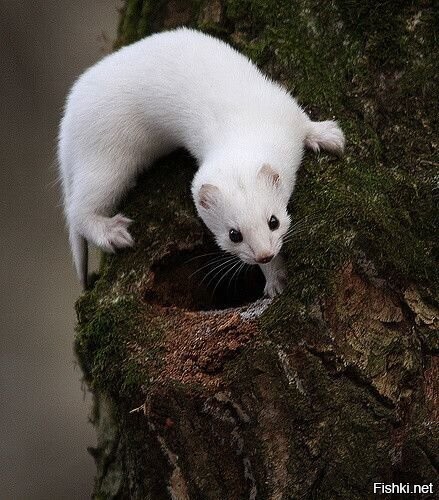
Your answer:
<point x="275" y="284"/>
<point x="273" y="288"/>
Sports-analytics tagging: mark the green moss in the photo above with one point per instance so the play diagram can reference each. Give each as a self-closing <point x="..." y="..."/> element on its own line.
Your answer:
<point x="100" y="343"/>
<point x="105" y="328"/>
<point x="129" y="21"/>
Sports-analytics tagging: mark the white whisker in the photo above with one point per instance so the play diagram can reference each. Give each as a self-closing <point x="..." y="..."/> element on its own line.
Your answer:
<point x="235" y="275"/>
<point x="204" y="255"/>
<point x="224" y="275"/>
<point x="218" y="268"/>
<point x="221" y="259"/>
<point x="226" y="268"/>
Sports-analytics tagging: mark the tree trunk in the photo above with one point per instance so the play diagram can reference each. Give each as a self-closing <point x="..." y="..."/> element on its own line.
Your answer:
<point x="204" y="394"/>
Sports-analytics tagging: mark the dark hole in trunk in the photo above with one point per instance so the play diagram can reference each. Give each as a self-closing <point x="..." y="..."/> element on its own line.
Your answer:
<point x="195" y="281"/>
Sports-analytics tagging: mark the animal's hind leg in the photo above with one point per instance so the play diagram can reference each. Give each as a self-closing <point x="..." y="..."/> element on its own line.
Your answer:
<point x="109" y="233"/>
<point x="95" y="193"/>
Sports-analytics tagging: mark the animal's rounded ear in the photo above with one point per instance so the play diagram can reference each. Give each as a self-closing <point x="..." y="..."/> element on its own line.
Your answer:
<point x="269" y="175"/>
<point x="208" y="196"/>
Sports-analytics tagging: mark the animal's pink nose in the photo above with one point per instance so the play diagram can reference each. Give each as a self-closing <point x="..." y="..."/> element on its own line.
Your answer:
<point x="264" y="259"/>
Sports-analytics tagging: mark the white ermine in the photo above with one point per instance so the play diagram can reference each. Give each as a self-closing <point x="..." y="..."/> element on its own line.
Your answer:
<point x="183" y="88"/>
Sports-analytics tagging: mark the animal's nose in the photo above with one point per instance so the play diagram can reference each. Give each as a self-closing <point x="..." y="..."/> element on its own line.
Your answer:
<point x="264" y="259"/>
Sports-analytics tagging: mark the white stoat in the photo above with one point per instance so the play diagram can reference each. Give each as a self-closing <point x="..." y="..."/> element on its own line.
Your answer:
<point x="183" y="88"/>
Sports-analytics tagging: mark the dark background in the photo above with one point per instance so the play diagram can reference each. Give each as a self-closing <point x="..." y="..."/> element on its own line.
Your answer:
<point x="44" y="430"/>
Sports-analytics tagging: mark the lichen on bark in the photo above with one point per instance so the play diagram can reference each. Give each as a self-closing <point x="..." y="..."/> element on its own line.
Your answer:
<point x="334" y="385"/>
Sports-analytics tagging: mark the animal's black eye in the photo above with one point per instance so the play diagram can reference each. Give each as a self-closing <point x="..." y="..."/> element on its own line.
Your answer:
<point x="235" y="236"/>
<point x="273" y="223"/>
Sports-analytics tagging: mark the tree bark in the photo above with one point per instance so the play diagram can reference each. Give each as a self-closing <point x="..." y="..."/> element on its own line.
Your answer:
<point x="333" y="386"/>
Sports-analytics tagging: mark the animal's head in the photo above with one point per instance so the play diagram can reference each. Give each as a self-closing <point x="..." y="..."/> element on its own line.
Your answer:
<point x="248" y="217"/>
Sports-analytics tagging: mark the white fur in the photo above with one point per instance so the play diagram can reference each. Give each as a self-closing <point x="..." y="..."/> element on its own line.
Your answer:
<point x="183" y="88"/>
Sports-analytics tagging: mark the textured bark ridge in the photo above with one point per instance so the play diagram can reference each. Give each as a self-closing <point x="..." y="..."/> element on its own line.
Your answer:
<point x="334" y="385"/>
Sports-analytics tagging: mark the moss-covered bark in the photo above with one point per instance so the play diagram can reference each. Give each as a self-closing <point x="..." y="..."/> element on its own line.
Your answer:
<point x="334" y="385"/>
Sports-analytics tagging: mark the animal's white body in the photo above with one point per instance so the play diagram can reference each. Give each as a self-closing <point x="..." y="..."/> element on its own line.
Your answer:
<point x="185" y="89"/>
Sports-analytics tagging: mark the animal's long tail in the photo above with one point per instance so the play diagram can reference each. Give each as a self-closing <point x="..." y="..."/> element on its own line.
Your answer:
<point x="79" y="248"/>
